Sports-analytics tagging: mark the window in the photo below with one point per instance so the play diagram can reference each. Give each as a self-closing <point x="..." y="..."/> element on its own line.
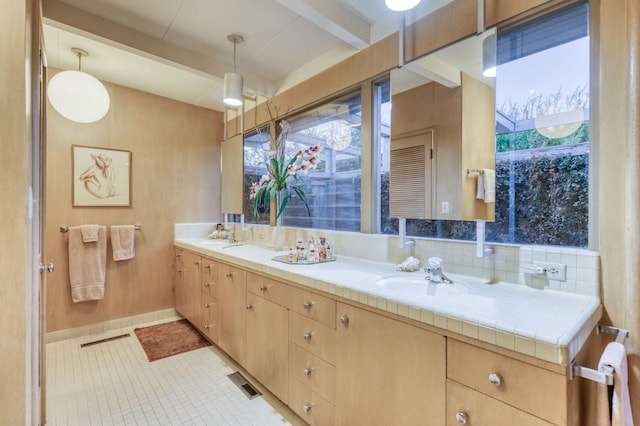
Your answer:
<point x="256" y="153"/>
<point x="542" y="138"/>
<point x="333" y="188"/>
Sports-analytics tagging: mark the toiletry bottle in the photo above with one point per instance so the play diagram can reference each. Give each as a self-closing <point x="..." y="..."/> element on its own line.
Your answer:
<point x="329" y="251"/>
<point x="302" y="255"/>
<point x="312" y="257"/>
<point x="322" y="250"/>
<point x="293" y="257"/>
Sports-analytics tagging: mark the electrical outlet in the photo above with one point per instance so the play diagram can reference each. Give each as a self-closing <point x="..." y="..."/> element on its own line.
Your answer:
<point x="554" y="271"/>
<point x="445" y="207"/>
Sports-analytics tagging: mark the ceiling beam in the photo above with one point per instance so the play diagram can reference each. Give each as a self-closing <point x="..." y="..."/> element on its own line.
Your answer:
<point x="333" y="18"/>
<point x="76" y="21"/>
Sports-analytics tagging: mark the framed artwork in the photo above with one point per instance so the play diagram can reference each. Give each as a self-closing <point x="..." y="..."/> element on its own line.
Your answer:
<point x="101" y="177"/>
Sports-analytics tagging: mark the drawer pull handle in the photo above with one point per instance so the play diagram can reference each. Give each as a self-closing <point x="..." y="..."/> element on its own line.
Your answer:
<point x="306" y="408"/>
<point x="263" y="288"/>
<point x="306" y="336"/>
<point x="206" y="305"/>
<point x="179" y="271"/>
<point x="307" y="371"/>
<point x="307" y="305"/>
<point x="461" y="417"/>
<point x="178" y="255"/>
<point x="207" y="284"/>
<point x="344" y="320"/>
<point x="196" y="262"/>
<point x="229" y="274"/>
<point x="249" y="307"/>
<point x="208" y="266"/>
<point x="206" y="327"/>
<point x="495" y="379"/>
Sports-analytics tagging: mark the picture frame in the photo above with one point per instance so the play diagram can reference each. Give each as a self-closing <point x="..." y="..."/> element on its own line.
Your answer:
<point x="101" y="177"/>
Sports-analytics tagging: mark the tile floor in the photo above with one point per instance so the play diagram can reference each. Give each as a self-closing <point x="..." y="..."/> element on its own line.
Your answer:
<point x="112" y="383"/>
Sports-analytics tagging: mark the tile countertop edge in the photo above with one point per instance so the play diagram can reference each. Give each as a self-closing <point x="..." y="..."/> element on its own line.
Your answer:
<point x="559" y="350"/>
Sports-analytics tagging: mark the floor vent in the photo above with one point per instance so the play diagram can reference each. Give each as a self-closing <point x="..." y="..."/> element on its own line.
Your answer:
<point x="108" y="339"/>
<point x="246" y="388"/>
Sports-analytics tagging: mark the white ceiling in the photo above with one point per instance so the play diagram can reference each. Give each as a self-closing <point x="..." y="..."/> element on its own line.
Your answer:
<point x="179" y="48"/>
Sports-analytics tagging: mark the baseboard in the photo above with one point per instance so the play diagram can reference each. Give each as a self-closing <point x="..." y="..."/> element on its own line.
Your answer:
<point x="101" y="327"/>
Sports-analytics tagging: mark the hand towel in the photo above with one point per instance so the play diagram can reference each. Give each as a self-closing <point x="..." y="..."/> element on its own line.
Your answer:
<point x="122" y="242"/>
<point x="615" y="356"/>
<point x="87" y="265"/>
<point x="487" y="186"/>
<point x="89" y="233"/>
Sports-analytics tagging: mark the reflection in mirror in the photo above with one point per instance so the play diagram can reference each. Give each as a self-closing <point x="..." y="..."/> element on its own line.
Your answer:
<point x="444" y="100"/>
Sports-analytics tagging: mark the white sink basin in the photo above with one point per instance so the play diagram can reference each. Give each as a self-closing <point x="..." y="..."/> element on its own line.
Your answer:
<point x="413" y="286"/>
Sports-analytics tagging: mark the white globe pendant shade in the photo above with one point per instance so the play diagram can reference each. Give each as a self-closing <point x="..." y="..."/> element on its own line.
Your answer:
<point x="233" y="89"/>
<point x="401" y="5"/>
<point x="78" y="96"/>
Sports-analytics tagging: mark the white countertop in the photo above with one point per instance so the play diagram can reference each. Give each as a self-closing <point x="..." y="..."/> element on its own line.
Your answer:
<point x="546" y="324"/>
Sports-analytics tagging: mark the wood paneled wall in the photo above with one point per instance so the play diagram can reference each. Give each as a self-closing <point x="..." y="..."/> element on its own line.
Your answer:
<point x="175" y="178"/>
<point x="15" y="174"/>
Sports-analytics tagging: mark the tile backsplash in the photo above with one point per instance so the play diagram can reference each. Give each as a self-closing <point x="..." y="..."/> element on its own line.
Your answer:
<point x="458" y="257"/>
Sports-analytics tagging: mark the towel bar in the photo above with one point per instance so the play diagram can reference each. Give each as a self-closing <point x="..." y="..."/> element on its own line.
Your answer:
<point x="66" y="228"/>
<point x="606" y="374"/>
<point x="475" y="171"/>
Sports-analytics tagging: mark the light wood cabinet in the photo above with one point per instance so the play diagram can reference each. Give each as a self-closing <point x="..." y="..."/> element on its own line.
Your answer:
<point x="267" y="344"/>
<point x="470" y="407"/>
<point x="336" y="363"/>
<point x="388" y="372"/>
<point x="188" y="286"/>
<point x="232" y="308"/>
<point x="527" y="387"/>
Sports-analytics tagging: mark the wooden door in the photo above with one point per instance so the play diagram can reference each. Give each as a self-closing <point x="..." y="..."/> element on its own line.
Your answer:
<point x="387" y="372"/>
<point x="267" y="344"/>
<point x="232" y="307"/>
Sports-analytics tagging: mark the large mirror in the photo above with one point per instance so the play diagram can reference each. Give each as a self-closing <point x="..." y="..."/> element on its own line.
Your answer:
<point x="442" y="157"/>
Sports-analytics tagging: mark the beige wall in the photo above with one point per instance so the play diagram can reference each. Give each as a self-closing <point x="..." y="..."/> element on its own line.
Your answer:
<point x="15" y="176"/>
<point x="176" y="178"/>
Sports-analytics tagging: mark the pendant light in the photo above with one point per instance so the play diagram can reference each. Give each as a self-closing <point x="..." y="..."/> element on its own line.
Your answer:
<point x="233" y="80"/>
<point x="78" y="96"/>
<point x="401" y="5"/>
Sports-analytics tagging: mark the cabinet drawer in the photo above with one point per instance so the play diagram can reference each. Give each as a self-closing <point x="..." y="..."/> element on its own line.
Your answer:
<point x="314" y="306"/>
<point x="479" y="409"/>
<point x="310" y="405"/>
<point x="312" y="336"/>
<point x="530" y="388"/>
<point x="269" y="289"/>
<point x="209" y="316"/>
<point x="313" y="371"/>
<point x="208" y="267"/>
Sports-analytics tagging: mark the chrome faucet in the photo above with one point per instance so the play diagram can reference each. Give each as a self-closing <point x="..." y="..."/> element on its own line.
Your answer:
<point x="434" y="271"/>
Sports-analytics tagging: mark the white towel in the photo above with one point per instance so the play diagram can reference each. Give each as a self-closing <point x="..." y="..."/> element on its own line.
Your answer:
<point x="615" y="356"/>
<point x="89" y="233"/>
<point x="487" y="186"/>
<point x="87" y="265"/>
<point x="122" y="242"/>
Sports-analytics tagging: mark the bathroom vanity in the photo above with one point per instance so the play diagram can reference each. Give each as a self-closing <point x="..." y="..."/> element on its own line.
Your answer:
<point x="337" y="349"/>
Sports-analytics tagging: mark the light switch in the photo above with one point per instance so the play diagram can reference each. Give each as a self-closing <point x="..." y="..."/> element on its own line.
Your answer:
<point x="445" y="207"/>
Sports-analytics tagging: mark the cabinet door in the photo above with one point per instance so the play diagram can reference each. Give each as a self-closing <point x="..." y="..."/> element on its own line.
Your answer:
<point x="387" y="372"/>
<point x="267" y="344"/>
<point x="188" y="287"/>
<point x="232" y="308"/>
